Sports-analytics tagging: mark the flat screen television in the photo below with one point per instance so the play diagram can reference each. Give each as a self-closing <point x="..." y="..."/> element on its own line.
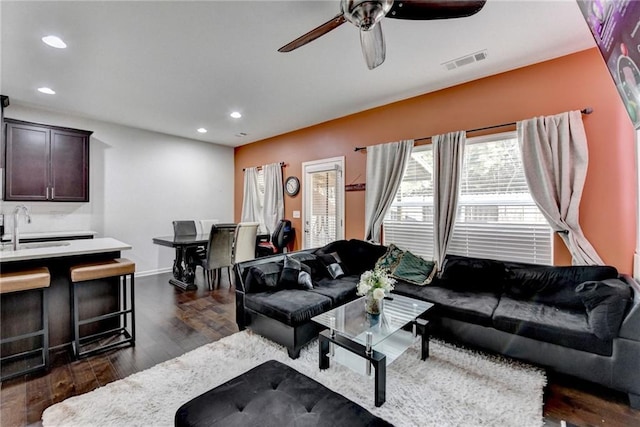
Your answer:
<point x="615" y="25"/>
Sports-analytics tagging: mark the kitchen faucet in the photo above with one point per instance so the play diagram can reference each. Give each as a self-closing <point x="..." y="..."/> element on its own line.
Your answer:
<point x="16" y="215"/>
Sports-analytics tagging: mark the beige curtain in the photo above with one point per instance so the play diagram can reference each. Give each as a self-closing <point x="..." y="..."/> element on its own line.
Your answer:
<point x="251" y="199"/>
<point x="385" y="167"/>
<point x="555" y="158"/>
<point x="448" y="155"/>
<point x="273" y="208"/>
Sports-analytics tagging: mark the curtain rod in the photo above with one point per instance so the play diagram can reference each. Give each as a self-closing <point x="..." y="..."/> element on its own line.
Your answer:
<point x="587" y="110"/>
<point x="282" y="164"/>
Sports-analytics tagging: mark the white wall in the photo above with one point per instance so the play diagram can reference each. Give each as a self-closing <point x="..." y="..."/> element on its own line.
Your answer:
<point x="140" y="181"/>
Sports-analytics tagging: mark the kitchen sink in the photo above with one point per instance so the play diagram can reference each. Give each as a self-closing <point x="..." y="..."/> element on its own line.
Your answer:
<point x="33" y="245"/>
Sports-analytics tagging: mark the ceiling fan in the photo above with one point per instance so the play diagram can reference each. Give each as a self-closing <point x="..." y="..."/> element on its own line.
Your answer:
<point x="367" y="14"/>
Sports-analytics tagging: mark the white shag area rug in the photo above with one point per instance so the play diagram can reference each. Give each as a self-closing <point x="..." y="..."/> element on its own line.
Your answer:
<point x="453" y="387"/>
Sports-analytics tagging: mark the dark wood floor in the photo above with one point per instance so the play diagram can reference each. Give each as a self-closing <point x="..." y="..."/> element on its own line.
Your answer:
<point x="170" y="323"/>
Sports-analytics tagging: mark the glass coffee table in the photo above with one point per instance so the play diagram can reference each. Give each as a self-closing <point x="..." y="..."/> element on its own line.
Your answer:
<point x="377" y="339"/>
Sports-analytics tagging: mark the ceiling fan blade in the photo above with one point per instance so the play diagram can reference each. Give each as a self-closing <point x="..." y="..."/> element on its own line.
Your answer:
<point x="373" y="48"/>
<point x="434" y="9"/>
<point x="323" y="29"/>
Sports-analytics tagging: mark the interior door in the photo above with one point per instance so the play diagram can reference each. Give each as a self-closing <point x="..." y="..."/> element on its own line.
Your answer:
<point x="323" y="206"/>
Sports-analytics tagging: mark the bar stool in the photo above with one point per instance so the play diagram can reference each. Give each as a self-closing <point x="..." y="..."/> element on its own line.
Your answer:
<point x="36" y="279"/>
<point x="120" y="268"/>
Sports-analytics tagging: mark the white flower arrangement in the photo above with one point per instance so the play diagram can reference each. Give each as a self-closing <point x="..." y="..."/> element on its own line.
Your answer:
<point x="377" y="282"/>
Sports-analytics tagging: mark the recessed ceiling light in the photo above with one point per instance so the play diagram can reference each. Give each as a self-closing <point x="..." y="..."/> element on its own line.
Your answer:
<point x="202" y="130"/>
<point x="54" y="41"/>
<point x="235" y="115"/>
<point x="47" y="90"/>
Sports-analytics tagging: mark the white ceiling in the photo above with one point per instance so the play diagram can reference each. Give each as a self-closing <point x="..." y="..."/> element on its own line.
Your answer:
<point x="175" y="66"/>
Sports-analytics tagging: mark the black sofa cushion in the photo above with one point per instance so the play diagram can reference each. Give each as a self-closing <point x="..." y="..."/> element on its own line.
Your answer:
<point x="548" y="323"/>
<point x="554" y="285"/>
<point x="606" y="303"/>
<point x="471" y="274"/>
<point x="339" y="290"/>
<point x="290" y="306"/>
<point x="361" y="256"/>
<point x="273" y="395"/>
<point x="356" y="256"/>
<point x="263" y="277"/>
<point x="467" y="306"/>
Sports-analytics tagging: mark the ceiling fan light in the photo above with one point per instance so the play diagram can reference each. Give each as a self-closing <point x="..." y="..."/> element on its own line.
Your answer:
<point x="46" y="90"/>
<point x="236" y="115"/>
<point x="54" y="41"/>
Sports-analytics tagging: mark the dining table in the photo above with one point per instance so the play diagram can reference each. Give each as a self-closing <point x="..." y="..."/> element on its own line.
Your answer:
<point x="185" y="262"/>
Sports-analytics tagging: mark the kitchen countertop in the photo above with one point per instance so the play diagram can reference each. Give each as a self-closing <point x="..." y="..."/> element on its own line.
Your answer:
<point x="48" y="234"/>
<point x="61" y="248"/>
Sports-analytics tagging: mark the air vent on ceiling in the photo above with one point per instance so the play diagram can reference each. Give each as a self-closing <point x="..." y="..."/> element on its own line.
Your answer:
<point x="465" y="60"/>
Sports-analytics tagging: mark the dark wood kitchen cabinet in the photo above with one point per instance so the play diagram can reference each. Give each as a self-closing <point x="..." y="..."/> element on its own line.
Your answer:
<point x="46" y="163"/>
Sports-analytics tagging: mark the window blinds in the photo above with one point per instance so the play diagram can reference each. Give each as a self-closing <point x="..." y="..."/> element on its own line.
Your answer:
<point x="496" y="217"/>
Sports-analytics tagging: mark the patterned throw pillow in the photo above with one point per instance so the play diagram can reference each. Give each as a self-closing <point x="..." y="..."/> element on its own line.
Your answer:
<point x="333" y="264"/>
<point x="415" y="270"/>
<point x="390" y="259"/>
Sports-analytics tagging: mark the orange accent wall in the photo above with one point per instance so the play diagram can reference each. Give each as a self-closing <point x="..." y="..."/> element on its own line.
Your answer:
<point x="608" y="207"/>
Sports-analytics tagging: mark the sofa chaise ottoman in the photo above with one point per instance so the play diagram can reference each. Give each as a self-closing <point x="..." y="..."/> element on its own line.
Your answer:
<point x="274" y="395"/>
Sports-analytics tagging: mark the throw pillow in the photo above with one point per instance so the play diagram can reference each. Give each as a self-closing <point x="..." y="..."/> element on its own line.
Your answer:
<point x="290" y="271"/>
<point x="606" y="303"/>
<point x="263" y="277"/>
<point x="555" y="285"/>
<point x="333" y="265"/>
<point x="414" y="269"/>
<point x="290" y="276"/>
<point x="304" y="280"/>
<point x="390" y="258"/>
<point x="310" y="260"/>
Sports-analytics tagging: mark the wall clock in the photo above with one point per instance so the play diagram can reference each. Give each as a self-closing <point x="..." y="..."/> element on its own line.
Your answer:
<point x="292" y="186"/>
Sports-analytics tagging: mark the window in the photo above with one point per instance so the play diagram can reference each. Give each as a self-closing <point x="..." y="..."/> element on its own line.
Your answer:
<point x="496" y="217"/>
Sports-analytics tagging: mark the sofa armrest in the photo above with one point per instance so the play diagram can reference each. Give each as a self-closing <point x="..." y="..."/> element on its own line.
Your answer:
<point x="630" y="328"/>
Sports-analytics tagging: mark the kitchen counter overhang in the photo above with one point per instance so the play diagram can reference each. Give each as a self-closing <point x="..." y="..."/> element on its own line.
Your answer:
<point x="57" y="249"/>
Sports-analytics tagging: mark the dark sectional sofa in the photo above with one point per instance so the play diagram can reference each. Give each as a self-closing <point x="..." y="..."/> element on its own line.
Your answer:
<point x="583" y="321"/>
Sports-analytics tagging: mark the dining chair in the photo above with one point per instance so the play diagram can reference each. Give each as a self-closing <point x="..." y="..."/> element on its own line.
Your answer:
<point x="188" y="228"/>
<point x="205" y="225"/>
<point x="218" y="256"/>
<point x="244" y="246"/>
<point x="184" y="228"/>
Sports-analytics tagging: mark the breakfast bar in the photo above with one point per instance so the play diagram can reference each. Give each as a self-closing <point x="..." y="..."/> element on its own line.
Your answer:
<point x="59" y="256"/>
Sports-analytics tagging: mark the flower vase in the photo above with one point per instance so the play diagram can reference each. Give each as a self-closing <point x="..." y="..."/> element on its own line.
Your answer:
<point x="373" y="308"/>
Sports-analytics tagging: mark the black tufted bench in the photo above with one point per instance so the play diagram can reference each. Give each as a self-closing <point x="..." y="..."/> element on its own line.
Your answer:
<point x="273" y="394"/>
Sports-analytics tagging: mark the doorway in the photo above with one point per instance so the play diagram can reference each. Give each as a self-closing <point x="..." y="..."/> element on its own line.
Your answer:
<point x="323" y="202"/>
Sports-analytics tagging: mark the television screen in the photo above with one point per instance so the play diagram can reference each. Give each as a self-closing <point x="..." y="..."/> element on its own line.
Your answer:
<point x="615" y="25"/>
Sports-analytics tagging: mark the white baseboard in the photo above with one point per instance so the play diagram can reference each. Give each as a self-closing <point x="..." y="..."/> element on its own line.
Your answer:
<point x="153" y="272"/>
